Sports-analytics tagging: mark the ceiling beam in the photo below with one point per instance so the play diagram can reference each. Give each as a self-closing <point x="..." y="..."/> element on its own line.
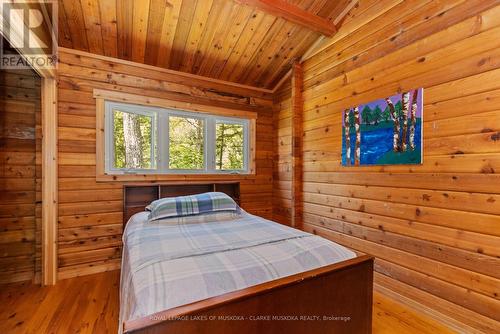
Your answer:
<point x="292" y="13"/>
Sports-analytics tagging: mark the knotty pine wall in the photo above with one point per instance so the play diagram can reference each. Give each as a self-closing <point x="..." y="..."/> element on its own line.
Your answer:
<point x="434" y="228"/>
<point x="19" y="173"/>
<point x="282" y="173"/>
<point x="90" y="212"/>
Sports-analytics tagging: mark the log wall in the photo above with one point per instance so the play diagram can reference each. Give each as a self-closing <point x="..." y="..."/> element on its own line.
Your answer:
<point x="434" y="228"/>
<point x="282" y="166"/>
<point x="90" y="212"/>
<point x="19" y="193"/>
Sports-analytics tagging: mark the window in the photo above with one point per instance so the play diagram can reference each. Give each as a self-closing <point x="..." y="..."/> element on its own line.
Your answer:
<point x="229" y="145"/>
<point x="186" y="143"/>
<point x="133" y="141"/>
<point x="152" y="140"/>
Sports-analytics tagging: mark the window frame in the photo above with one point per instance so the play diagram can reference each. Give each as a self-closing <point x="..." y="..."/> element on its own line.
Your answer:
<point x="109" y="140"/>
<point x="165" y="141"/>
<point x="106" y="101"/>
<point x="246" y="144"/>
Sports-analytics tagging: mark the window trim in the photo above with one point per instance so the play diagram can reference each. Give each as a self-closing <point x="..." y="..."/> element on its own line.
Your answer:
<point x="185" y="108"/>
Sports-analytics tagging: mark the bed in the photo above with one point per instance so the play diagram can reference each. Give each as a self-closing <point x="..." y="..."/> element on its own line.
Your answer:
<point x="233" y="271"/>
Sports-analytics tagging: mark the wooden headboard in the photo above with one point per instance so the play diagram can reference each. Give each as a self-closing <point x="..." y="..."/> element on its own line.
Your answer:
<point x="137" y="197"/>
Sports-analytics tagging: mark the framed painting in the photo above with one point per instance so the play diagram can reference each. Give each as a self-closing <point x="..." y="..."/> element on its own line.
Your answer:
<point x="384" y="132"/>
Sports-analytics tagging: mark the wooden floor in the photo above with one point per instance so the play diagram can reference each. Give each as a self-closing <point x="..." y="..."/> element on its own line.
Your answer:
<point x="89" y="304"/>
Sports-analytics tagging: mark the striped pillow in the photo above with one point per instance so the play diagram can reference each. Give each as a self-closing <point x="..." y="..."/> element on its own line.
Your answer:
<point x="191" y="205"/>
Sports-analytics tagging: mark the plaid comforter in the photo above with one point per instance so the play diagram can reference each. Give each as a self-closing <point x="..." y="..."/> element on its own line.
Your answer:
<point x="168" y="263"/>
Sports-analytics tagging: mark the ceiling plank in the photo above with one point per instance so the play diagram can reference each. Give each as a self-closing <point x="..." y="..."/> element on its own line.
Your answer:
<point x="292" y="13"/>
<point x="186" y="16"/>
<point x="169" y="28"/>
<point x="92" y="21"/>
<point x="271" y="37"/>
<point x="109" y="28"/>
<point x="275" y="71"/>
<point x="140" y="17"/>
<point x="225" y="42"/>
<point x="64" y="32"/>
<point x="155" y="24"/>
<point x="74" y="17"/>
<point x="219" y="9"/>
<point x="124" y="11"/>
<point x="272" y="51"/>
<point x="200" y="19"/>
<point x="250" y="30"/>
<point x="232" y="71"/>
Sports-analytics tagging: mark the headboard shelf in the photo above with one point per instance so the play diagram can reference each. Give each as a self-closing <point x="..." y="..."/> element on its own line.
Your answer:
<point x="136" y="197"/>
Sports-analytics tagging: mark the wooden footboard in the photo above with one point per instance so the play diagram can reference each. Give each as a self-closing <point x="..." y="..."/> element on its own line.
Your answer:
<point x="331" y="299"/>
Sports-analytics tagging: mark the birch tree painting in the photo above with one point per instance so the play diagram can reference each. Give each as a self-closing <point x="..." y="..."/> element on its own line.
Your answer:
<point x="413" y="119"/>
<point x="384" y="132"/>
<point x="357" y="127"/>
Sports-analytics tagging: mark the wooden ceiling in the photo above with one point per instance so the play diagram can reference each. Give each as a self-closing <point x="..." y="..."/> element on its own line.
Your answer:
<point x="221" y="39"/>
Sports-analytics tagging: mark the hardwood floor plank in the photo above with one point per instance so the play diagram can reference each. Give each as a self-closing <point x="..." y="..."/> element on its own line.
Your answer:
<point x="390" y="316"/>
<point x="90" y="304"/>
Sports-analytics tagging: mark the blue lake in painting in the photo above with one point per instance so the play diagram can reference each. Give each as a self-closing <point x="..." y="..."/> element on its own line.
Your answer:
<point x="376" y="146"/>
